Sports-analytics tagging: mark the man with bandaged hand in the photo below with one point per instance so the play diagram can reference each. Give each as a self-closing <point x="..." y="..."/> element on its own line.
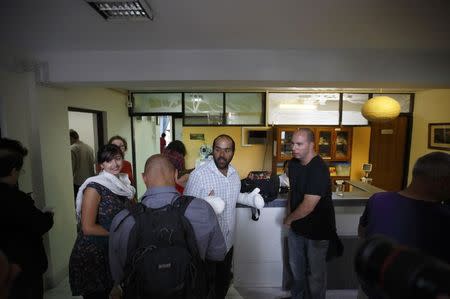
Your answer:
<point x="218" y="182"/>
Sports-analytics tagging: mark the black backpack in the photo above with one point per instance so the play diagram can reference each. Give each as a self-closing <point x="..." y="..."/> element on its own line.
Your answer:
<point x="162" y="255"/>
<point x="268" y="183"/>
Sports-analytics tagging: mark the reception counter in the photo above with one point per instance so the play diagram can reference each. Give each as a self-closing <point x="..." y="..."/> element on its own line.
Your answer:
<point x="258" y="249"/>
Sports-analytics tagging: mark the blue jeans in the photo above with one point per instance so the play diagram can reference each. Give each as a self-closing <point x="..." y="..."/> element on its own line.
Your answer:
<point x="307" y="259"/>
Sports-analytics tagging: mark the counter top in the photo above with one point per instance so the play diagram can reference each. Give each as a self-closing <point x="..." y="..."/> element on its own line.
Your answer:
<point x="353" y="198"/>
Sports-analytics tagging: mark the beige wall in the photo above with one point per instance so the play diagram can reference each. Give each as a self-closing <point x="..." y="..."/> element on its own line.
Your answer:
<point x="146" y="133"/>
<point x="56" y="160"/>
<point x="38" y="117"/>
<point x="431" y="106"/>
<point x="246" y="158"/>
<point x="15" y="97"/>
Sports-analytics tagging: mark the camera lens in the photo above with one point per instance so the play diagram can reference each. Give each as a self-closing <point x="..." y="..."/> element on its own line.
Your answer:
<point x="398" y="272"/>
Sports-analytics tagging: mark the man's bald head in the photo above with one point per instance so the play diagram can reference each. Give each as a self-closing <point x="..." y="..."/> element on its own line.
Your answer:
<point x="159" y="172"/>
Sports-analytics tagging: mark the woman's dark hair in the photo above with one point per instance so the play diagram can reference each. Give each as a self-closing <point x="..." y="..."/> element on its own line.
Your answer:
<point x="177" y="146"/>
<point x="117" y="137"/>
<point x="12" y="153"/>
<point x="107" y="152"/>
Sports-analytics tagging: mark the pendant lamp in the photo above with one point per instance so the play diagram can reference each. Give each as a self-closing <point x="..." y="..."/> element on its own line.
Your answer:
<point x="380" y="109"/>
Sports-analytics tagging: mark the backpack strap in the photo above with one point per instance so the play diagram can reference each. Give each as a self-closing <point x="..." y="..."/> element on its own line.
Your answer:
<point x="134" y="210"/>
<point x="182" y="202"/>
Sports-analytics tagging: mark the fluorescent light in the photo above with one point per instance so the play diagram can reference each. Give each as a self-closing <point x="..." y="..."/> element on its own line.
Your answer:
<point x="303" y="107"/>
<point x="119" y="9"/>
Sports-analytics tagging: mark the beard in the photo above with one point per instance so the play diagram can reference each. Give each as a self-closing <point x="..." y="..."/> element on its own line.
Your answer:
<point x="221" y="163"/>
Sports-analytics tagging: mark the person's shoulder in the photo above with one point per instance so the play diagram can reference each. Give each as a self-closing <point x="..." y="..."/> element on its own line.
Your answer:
<point x="196" y="202"/>
<point x="233" y="169"/>
<point x="14" y="196"/>
<point x="200" y="207"/>
<point x="126" y="163"/>
<point x="119" y="219"/>
<point x="199" y="170"/>
<point x="383" y="195"/>
<point x="74" y="147"/>
<point x="318" y="161"/>
<point x="86" y="146"/>
<point x="381" y="198"/>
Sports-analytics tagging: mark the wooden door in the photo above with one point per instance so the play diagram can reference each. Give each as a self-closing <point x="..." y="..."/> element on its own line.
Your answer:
<point x="389" y="154"/>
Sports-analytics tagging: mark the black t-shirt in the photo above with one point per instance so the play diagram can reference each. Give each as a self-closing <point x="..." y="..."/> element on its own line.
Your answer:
<point x="313" y="179"/>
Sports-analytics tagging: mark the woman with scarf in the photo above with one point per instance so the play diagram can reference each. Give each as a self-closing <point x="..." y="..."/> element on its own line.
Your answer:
<point x="99" y="199"/>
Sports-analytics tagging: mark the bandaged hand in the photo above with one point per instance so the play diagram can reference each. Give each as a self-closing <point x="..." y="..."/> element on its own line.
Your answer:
<point x="216" y="203"/>
<point x="252" y="199"/>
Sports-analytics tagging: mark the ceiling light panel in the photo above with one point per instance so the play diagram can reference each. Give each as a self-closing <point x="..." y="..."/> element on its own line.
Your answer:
<point x="120" y="10"/>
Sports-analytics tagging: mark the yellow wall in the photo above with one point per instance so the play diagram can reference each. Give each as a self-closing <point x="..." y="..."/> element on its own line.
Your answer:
<point x="360" y="151"/>
<point x="246" y="158"/>
<point x="431" y="106"/>
<point x="249" y="158"/>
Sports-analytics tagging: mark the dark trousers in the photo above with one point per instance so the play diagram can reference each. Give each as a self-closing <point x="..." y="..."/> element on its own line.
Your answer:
<point x="223" y="275"/>
<point x="27" y="286"/>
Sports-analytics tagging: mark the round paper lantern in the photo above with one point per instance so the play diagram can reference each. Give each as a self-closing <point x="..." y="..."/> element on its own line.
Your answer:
<point x="380" y="109"/>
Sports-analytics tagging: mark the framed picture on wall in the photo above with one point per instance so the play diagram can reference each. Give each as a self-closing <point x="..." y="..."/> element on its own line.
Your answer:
<point x="439" y="136"/>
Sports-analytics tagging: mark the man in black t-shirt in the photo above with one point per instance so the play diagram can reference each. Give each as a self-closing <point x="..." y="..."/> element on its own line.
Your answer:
<point x="311" y="219"/>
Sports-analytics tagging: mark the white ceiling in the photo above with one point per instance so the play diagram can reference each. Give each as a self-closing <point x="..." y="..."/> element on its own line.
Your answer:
<point x="60" y="25"/>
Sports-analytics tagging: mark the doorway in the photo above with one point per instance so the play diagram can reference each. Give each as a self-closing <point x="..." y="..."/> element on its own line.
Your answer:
<point x="389" y="153"/>
<point x="89" y="126"/>
<point x="146" y="133"/>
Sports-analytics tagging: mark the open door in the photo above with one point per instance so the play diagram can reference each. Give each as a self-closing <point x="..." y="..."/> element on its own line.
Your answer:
<point x="389" y="153"/>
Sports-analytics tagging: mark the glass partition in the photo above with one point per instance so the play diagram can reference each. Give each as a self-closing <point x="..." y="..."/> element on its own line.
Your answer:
<point x="244" y="108"/>
<point x="403" y="99"/>
<point x="157" y="102"/>
<point x="303" y="108"/>
<point x="351" y="108"/>
<point x="203" y="108"/>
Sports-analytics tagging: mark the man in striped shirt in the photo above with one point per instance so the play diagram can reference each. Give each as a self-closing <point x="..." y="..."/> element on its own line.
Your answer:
<point x="218" y="178"/>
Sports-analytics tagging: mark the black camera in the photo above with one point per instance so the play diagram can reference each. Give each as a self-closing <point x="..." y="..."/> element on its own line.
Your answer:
<point x="387" y="270"/>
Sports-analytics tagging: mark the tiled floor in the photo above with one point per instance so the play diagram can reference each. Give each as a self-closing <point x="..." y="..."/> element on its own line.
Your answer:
<point x="62" y="291"/>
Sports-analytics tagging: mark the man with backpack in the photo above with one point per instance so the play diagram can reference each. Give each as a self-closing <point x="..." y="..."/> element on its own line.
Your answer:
<point x="158" y="248"/>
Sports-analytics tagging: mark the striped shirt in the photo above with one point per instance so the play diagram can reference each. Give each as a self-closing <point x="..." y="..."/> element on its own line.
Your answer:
<point x="208" y="180"/>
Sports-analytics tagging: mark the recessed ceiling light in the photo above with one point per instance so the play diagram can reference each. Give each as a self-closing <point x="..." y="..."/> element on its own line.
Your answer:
<point x="119" y="10"/>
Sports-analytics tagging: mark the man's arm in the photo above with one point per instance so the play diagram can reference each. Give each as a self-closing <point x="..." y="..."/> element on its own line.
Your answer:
<point x="118" y="244"/>
<point x="303" y="210"/>
<point x="217" y="248"/>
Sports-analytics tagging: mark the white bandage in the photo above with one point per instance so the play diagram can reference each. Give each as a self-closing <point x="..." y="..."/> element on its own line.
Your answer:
<point x="252" y="199"/>
<point x="216" y="203"/>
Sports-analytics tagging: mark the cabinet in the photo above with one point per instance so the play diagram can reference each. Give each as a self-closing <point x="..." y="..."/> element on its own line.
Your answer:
<point x="333" y="144"/>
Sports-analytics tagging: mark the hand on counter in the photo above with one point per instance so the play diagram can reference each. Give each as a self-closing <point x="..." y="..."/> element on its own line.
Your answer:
<point x="287" y="222"/>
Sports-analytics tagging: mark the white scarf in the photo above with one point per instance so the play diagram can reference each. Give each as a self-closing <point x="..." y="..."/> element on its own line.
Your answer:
<point x="120" y="185"/>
